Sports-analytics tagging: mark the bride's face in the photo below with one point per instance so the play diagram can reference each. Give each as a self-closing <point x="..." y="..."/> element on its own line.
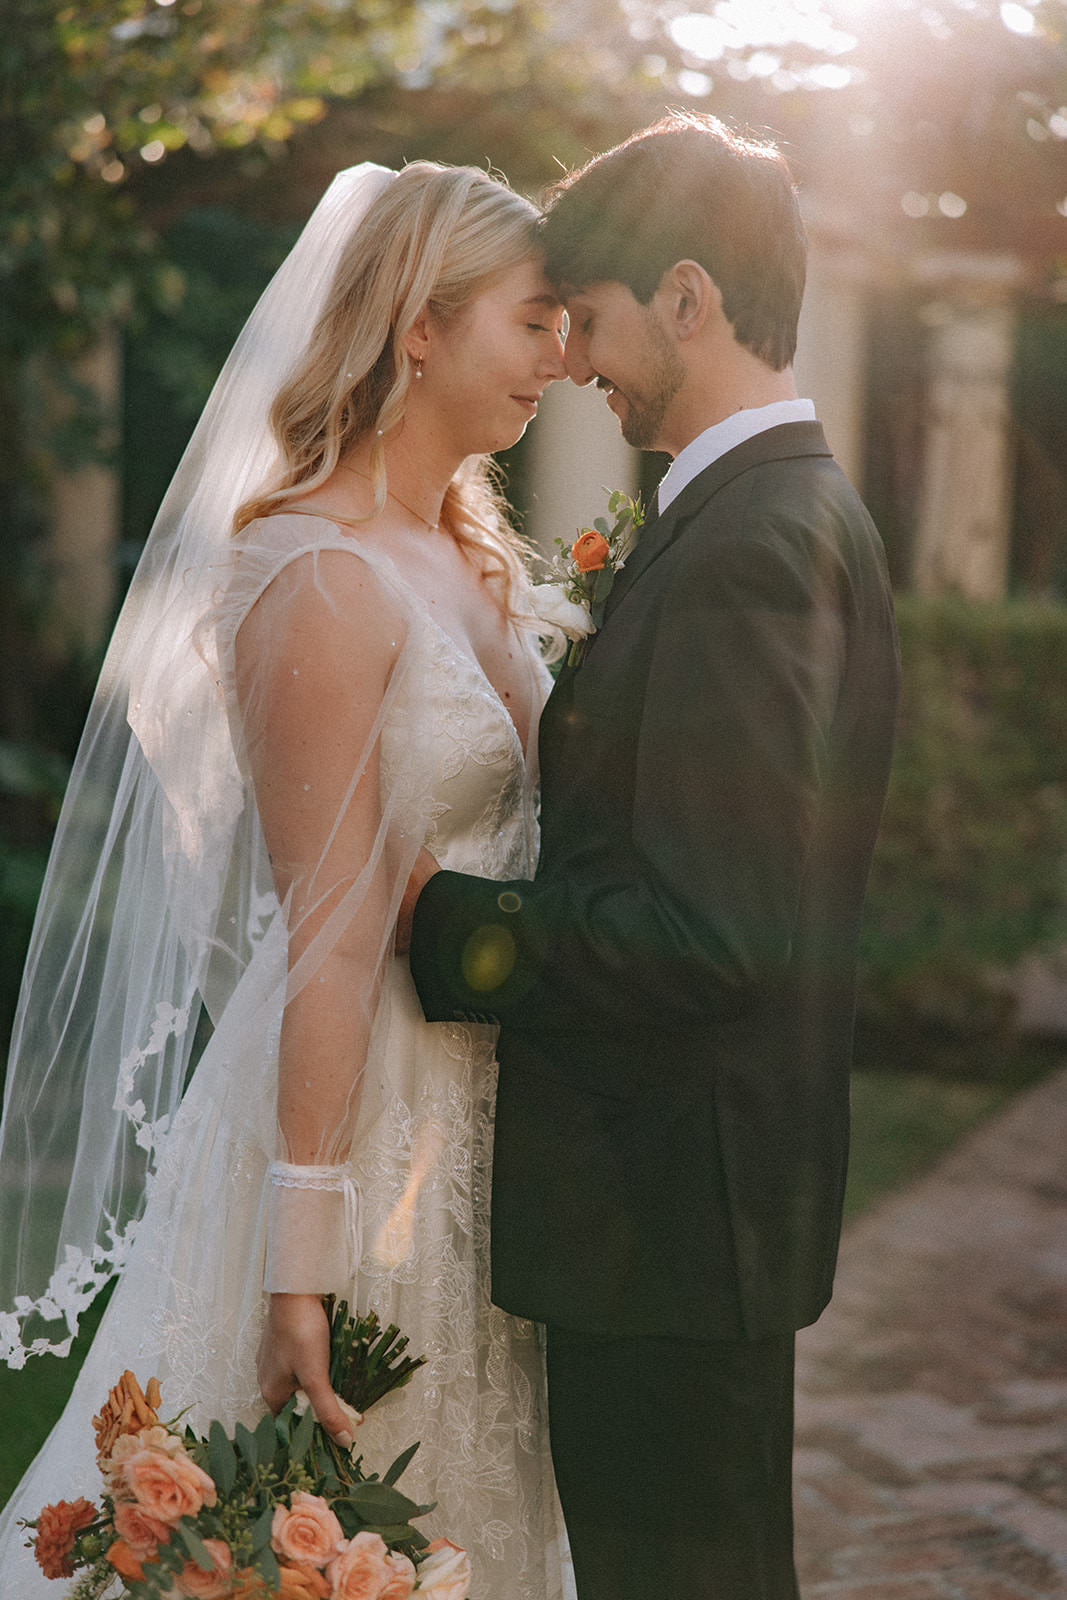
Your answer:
<point x="487" y="368"/>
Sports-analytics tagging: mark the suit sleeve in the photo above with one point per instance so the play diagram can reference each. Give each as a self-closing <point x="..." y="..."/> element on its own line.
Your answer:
<point x="731" y="754"/>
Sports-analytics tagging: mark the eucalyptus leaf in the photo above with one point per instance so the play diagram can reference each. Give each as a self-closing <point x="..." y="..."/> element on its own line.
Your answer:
<point x="261" y="1528"/>
<point x="605" y="578"/>
<point x="222" y="1458"/>
<point x="246" y="1444"/>
<point x="267" y="1563"/>
<point x="266" y="1437"/>
<point x="400" y="1464"/>
<point x="380" y="1502"/>
<point x="198" y="1550"/>
<point x="602" y="526"/>
<point x="300" y="1443"/>
<point x="391" y="1532"/>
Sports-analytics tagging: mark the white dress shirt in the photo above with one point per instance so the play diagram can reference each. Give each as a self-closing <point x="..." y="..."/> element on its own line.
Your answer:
<point x="722" y="436"/>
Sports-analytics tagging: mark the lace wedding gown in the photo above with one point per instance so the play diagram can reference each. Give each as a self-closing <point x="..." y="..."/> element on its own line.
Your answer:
<point x="189" y="1305"/>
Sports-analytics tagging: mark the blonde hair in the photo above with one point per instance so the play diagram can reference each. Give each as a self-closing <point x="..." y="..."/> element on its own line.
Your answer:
<point x="431" y="240"/>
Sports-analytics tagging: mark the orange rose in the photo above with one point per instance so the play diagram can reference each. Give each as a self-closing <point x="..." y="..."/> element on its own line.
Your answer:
<point x="590" y="550"/>
<point x="303" y="1583"/>
<point x="446" y="1572"/>
<point x="57" y="1528"/>
<point x="306" y="1531"/>
<point x="202" y="1584"/>
<point x="141" y="1534"/>
<point x="167" y="1487"/>
<point x="402" y="1582"/>
<point x="361" y="1571"/>
<point x="125" y="1562"/>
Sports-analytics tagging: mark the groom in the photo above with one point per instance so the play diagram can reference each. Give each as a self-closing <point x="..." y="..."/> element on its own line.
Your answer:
<point x="676" y="987"/>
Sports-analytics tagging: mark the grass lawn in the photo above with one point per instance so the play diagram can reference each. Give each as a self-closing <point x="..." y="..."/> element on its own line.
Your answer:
<point x="902" y="1122"/>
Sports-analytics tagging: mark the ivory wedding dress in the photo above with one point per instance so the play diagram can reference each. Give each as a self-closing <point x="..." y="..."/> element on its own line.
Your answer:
<point x="189" y="1305"/>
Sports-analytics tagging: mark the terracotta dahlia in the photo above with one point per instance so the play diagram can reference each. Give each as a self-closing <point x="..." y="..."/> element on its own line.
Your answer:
<point x="57" y="1528"/>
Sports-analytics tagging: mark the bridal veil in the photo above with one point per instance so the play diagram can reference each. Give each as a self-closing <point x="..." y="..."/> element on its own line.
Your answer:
<point x="159" y="918"/>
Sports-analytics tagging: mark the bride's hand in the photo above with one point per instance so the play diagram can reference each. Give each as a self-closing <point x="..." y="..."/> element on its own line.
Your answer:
<point x="294" y="1353"/>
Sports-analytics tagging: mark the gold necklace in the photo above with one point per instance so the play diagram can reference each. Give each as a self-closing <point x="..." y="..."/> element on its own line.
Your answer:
<point x="434" y="527"/>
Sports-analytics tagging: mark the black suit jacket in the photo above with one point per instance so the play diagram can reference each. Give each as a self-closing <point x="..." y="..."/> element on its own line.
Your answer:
<point x="676" y="988"/>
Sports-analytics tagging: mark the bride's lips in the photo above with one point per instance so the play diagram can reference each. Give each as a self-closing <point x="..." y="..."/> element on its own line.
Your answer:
<point x="528" y="402"/>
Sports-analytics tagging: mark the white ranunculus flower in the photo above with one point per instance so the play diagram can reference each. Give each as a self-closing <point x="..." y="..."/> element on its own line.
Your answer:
<point x="550" y="603"/>
<point x="446" y="1572"/>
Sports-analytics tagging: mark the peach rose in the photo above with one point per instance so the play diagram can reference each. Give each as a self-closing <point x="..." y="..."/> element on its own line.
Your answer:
<point x="306" y="1531"/>
<point x="446" y="1572"/>
<point x="167" y="1487"/>
<point x="140" y="1533"/>
<point x="402" y="1582"/>
<point x="303" y="1583"/>
<point x="361" y="1571"/>
<point x="590" y="551"/>
<point x="125" y="1562"/>
<point x="200" y="1583"/>
<point x="131" y="1444"/>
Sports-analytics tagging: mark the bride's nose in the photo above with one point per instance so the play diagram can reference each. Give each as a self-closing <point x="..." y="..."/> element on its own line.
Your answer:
<point x="554" y="365"/>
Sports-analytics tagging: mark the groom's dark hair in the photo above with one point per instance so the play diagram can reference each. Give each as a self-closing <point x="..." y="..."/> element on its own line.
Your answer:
<point x="688" y="188"/>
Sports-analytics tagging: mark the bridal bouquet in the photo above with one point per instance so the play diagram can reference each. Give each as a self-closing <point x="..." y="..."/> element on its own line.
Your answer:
<point x="282" y="1510"/>
<point x="584" y="573"/>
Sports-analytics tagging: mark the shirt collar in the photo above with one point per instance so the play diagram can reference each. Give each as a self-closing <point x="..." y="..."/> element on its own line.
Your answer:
<point x="723" y="436"/>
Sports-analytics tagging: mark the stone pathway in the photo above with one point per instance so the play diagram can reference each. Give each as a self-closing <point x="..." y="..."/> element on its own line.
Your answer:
<point x="932" y="1395"/>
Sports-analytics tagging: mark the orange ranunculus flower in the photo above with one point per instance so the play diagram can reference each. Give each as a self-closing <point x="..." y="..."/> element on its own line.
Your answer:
<point x="590" y="551"/>
<point x="303" y="1583"/>
<point x="125" y="1562"/>
<point x="57" y="1528"/>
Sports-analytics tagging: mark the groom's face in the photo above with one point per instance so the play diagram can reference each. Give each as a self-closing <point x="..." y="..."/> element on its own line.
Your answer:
<point x="626" y="348"/>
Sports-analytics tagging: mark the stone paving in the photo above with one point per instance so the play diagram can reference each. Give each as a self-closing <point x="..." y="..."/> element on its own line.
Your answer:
<point x="932" y="1395"/>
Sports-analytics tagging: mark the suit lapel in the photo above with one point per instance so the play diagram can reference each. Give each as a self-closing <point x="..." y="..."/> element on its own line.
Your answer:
<point x="774" y="444"/>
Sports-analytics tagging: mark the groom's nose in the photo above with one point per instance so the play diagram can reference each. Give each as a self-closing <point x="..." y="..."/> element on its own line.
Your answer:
<point x="576" y="358"/>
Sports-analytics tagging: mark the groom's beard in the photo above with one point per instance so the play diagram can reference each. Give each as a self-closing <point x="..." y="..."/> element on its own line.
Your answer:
<point x="643" y="422"/>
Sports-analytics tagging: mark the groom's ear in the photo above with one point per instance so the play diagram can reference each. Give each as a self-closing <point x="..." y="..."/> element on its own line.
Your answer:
<point x="690" y="296"/>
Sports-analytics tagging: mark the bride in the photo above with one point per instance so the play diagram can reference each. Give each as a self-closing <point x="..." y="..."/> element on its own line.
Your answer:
<point x="324" y="663"/>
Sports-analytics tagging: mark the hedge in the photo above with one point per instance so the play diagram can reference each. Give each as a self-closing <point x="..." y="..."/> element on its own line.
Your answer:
<point x="971" y="864"/>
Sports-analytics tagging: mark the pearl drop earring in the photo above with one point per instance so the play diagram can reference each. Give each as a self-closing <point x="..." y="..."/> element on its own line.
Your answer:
<point x="418" y="366"/>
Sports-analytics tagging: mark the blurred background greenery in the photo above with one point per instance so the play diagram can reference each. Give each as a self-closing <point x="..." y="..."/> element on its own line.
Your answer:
<point x="160" y="158"/>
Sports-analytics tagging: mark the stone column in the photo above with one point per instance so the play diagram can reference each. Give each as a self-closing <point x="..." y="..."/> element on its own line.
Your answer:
<point x="831" y="359"/>
<point x="963" y="537"/>
<point x="576" y="451"/>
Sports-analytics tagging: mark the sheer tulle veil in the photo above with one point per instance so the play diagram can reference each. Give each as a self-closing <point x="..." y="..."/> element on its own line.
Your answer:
<point x="152" y="904"/>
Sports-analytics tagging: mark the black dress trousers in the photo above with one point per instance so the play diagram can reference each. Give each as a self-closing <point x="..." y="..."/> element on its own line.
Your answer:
<point x="673" y="1459"/>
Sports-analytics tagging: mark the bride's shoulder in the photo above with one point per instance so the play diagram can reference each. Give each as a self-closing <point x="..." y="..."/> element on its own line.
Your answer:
<point x="296" y="562"/>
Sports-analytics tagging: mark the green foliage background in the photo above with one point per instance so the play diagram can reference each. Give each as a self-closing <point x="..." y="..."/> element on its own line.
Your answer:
<point x="971" y="866"/>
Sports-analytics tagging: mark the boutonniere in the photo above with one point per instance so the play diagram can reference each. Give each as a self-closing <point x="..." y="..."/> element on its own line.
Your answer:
<point x="584" y="572"/>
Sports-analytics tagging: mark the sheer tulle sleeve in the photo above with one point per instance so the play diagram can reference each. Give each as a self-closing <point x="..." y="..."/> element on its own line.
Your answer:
<point x="319" y="660"/>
